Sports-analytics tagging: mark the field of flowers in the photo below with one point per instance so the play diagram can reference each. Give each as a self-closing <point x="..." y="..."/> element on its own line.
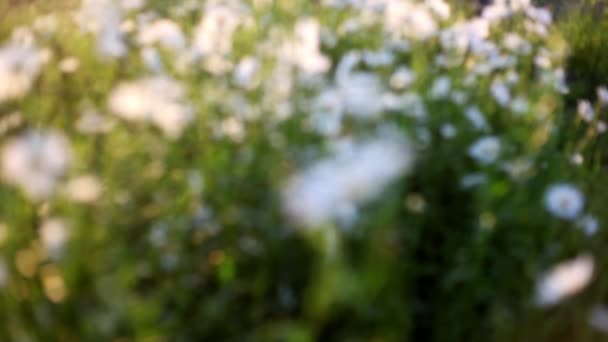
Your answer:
<point x="299" y="170"/>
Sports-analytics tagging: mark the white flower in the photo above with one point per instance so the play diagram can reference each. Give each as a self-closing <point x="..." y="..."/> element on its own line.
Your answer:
<point x="332" y="188"/>
<point x="245" y="74"/>
<point x="496" y="11"/>
<point x="461" y="36"/>
<point x="448" y="131"/>
<point x="378" y="58"/>
<point x="152" y="59"/>
<point x="54" y="234"/>
<point x="103" y="18"/>
<point x="473" y="180"/>
<point x="520" y="105"/>
<point x="476" y="117"/>
<point x="132" y="4"/>
<point x="441" y="87"/>
<point x="164" y="32"/>
<point x="598" y="318"/>
<point x="440" y="7"/>
<point x="584" y="110"/>
<point x="404" y="18"/>
<point x="305" y="51"/>
<point x="19" y="66"/>
<point x="46" y="24"/>
<point x="35" y="161"/>
<point x="327" y="112"/>
<point x="213" y="35"/>
<point x="541" y="15"/>
<point x="84" y="189"/>
<point x="91" y="122"/>
<point x="361" y="94"/>
<point x="602" y="95"/>
<point x="515" y="43"/>
<point x="518" y="168"/>
<point x="543" y="59"/>
<point x="500" y="92"/>
<point x="577" y="159"/>
<point x="402" y="78"/>
<point x="485" y="150"/>
<point x="413" y="106"/>
<point x="158" y="236"/>
<point x="564" y="280"/>
<point x="69" y="65"/>
<point x="233" y="128"/>
<point x="589" y="224"/>
<point x="564" y="201"/>
<point x="160" y="100"/>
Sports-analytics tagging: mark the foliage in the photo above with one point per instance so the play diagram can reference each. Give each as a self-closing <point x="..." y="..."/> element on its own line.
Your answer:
<point x="587" y="66"/>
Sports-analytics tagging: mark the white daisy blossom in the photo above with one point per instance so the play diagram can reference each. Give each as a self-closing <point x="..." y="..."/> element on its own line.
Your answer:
<point x="476" y="117"/>
<point x="598" y="318"/>
<point x="518" y="168"/>
<point x="473" y="180"/>
<point x="515" y="43"/>
<point x="589" y="224"/>
<point x="378" y="58"/>
<point x="245" y="74"/>
<point x="54" y="234"/>
<point x="69" y="65"/>
<point x="448" y="131"/>
<point x="495" y="12"/>
<point x="441" y="87"/>
<point x="564" y="201"/>
<point x="132" y="4"/>
<point x="402" y="78"/>
<point x="152" y="59"/>
<point x="45" y="24"/>
<point x="158" y="235"/>
<point x="165" y="32"/>
<point x="541" y="15"/>
<point x="19" y="66"/>
<point x="440" y="7"/>
<point x="500" y="92"/>
<point x="103" y="18"/>
<point x="520" y="105"/>
<point x="84" y="189"/>
<point x="35" y="161"/>
<point x="160" y="100"/>
<point x="404" y="18"/>
<point x="564" y="280"/>
<point x="577" y="159"/>
<point x="413" y="105"/>
<point x="91" y="122"/>
<point x="361" y="94"/>
<point x="602" y="95"/>
<point x="459" y="97"/>
<point x="461" y="36"/>
<point x="485" y="150"/>
<point x="305" y="50"/>
<point x="332" y="188"/>
<point x="327" y="112"/>
<point x="585" y="110"/>
<point x="213" y="35"/>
